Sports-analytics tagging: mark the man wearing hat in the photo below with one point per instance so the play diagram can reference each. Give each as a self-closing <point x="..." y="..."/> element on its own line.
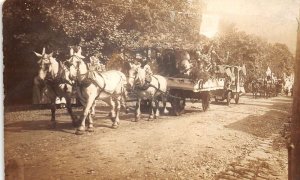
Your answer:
<point x="139" y="59"/>
<point x="144" y="64"/>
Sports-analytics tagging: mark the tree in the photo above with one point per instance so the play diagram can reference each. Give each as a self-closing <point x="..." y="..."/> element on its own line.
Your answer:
<point x="255" y="53"/>
<point x="98" y="26"/>
<point x="294" y="146"/>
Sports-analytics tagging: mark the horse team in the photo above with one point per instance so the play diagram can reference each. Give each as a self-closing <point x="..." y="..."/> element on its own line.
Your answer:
<point x="266" y="88"/>
<point x="61" y="78"/>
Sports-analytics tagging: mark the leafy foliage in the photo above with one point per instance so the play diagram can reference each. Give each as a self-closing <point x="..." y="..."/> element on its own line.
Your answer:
<point x="256" y="53"/>
<point x="98" y="26"/>
<point x="110" y="26"/>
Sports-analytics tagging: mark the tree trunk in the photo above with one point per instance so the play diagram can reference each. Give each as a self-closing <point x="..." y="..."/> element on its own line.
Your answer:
<point x="294" y="146"/>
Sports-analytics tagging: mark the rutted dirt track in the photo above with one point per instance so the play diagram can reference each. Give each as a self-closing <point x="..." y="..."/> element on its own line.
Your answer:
<point x="236" y="142"/>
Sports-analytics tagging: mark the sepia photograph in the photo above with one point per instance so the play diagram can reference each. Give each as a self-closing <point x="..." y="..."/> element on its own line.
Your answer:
<point x="151" y="89"/>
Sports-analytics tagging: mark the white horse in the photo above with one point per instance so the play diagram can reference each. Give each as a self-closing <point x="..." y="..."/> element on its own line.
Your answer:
<point x="156" y="90"/>
<point x="53" y="76"/>
<point x="108" y="86"/>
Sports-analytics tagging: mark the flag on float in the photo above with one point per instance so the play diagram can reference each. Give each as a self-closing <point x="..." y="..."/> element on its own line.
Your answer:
<point x="244" y="70"/>
<point x="268" y="72"/>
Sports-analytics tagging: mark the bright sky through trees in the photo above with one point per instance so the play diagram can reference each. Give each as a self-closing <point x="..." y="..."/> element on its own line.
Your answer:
<point x="274" y="20"/>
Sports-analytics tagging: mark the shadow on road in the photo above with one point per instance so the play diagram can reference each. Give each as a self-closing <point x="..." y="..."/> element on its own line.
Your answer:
<point x="36" y="119"/>
<point x="37" y="125"/>
<point x="31" y="107"/>
<point x="267" y="124"/>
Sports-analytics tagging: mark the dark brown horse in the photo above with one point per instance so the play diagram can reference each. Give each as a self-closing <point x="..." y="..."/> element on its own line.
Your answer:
<point x="255" y="88"/>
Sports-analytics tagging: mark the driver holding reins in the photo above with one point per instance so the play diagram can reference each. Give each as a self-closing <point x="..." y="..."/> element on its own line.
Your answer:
<point x="144" y="64"/>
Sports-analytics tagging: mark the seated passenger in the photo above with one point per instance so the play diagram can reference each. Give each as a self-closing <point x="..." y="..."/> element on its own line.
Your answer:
<point x="214" y="70"/>
<point x="144" y="64"/>
<point x="96" y="65"/>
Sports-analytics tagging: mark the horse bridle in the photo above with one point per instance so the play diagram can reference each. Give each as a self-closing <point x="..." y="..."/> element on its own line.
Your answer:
<point x="134" y="78"/>
<point x="44" y="64"/>
<point x="78" y="75"/>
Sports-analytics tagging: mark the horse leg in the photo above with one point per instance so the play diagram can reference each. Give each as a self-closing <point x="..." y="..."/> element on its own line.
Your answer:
<point x="53" y="109"/>
<point x="123" y="102"/>
<point x="117" y="108"/>
<point x="93" y="111"/>
<point x="164" y="100"/>
<point x="109" y="102"/>
<point x="138" y="110"/>
<point x="156" y="110"/>
<point x="70" y="111"/>
<point x="112" y="109"/>
<point x="90" y="121"/>
<point x="85" y="114"/>
<point x="152" y="105"/>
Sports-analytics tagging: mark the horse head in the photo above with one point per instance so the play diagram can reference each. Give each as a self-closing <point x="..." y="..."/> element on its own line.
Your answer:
<point x="77" y="65"/>
<point x="47" y="64"/>
<point x="65" y="73"/>
<point x="137" y="75"/>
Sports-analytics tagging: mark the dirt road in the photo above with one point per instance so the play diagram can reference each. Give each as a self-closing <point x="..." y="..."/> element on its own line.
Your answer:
<point x="240" y="141"/>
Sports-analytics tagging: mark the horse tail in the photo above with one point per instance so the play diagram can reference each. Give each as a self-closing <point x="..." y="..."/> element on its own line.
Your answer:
<point x="124" y="93"/>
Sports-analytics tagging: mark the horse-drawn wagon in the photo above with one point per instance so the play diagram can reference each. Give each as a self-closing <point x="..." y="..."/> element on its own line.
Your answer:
<point x="233" y="86"/>
<point x="179" y="89"/>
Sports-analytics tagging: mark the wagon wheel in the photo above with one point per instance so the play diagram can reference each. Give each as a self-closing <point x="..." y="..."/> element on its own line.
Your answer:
<point x="178" y="106"/>
<point x="205" y="101"/>
<point x="237" y="98"/>
<point x="228" y="98"/>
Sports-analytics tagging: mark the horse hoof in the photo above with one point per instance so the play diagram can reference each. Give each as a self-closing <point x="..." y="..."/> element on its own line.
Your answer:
<point x="90" y="129"/>
<point x="136" y="119"/>
<point x="79" y="132"/>
<point x="115" y="126"/>
<point x="81" y="128"/>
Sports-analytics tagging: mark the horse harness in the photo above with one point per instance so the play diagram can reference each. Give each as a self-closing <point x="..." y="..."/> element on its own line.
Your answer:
<point x="148" y="84"/>
<point x="52" y="82"/>
<point x="88" y="80"/>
